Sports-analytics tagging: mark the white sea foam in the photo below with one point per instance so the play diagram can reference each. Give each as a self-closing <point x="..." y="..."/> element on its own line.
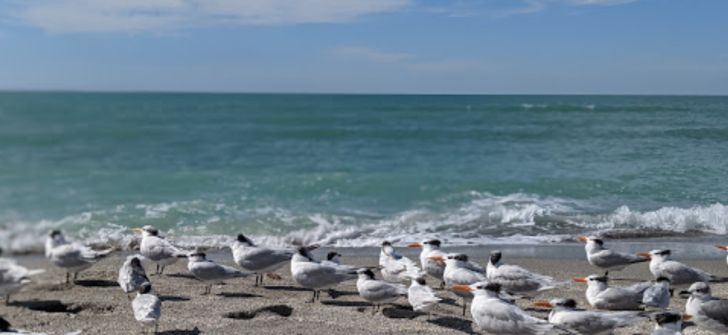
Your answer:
<point x="477" y="218"/>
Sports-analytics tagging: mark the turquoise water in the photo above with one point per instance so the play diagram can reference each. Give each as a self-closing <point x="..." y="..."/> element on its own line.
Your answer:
<point x="351" y="170"/>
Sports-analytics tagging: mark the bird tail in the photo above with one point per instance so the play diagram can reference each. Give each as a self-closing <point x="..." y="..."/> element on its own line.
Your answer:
<point x="34" y="272"/>
<point x="717" y="279"/>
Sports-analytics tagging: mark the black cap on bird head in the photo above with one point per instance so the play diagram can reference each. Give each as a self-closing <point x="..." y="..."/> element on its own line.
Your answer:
<point x="332" y="254"/>
<point x="662" y="279"/>
<point x="55" y="233"/>
<point x="667" y="318"/>
<point x="495" y="256"/>
<point x="459" y="257"/>
<point x="4" y="325"/>
<point x="386" y="243"/>
<point x="665" y="252"/>
<point x="1" y="251"/>
<point x="303" y="251"/>
<point x="421" y="281"/>
<point x="570" y="303"/>
<point x="493" y="287"/>
<point x="244" y="239"/>
<point x="145" y="288"/>
<point x="598" y="241"/>
<point x="435" y="242"/>
<point x="136" y="262"/>
<point x="367" y="272"/>
<point x="602" y="279"/>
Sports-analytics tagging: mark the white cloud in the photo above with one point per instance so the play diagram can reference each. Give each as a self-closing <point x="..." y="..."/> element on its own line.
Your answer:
<point x="370" y="54"/>
<point x="161" y="15"/>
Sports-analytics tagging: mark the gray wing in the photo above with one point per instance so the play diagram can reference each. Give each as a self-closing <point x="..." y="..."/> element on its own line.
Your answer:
<point x="210" y="270"/>
<point x="421" y="295"/>
<point x="380" y="290"/>
<point x="504" y="318"/>
<point x="160" y="248"/>
<point x="656" y="296"/>
<point x="517" y="279"/>
<point x="618" y="298"/>
<point x="608" y="258"/>
<point x="69" y="256"/>
<point x="260" y="258"/>
<point x="681" y="274"/>
<point x="323" y="275"/>
<point x="464" y="277"/>
<point x="716" y="310"/>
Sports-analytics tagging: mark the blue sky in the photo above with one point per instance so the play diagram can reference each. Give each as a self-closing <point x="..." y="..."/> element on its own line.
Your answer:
<point x="367" y="46"/>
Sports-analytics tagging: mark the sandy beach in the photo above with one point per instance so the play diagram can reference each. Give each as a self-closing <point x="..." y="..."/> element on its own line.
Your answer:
<point x="97" y="305"/>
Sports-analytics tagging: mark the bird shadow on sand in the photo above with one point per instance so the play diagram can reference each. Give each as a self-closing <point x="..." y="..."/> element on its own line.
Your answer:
<point x="179" y="275"/>
<point x="287" y="288"/>
<point x="400" y="313"/>
<point x="239" y="295"/>
<point x="97" y="283"/>
<point x="451" y="302"/>
<point x="181" y="332"/>
<point x="346" y="303"/>
<point x="172" y="298"/>
<point x="48" y="306"/>
<point x="280" y="310"/>
<point x="462" y="325"/>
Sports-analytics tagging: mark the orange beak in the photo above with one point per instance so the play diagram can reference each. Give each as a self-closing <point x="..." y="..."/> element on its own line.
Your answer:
<point x="687" y="317"/>
<point x="644" y="254"/>
<point x="722" y="247"/>
<point x="543" y="304"/>
<point x="462" y="288"/>
<point x="415" y="245"/>
<point x="579" y="280"/>
<point x="437" y="258"/>
<point x="582" y="238"/>
<point x="138" y="230"/>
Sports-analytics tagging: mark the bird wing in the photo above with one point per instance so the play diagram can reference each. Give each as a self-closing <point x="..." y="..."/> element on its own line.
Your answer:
<point x="716" y="310"/>
<point x="499" y="317"/>
<point x="322" y="275"/>
<point x="209" y="270"/>
<point x="681" y="274"/>
<point x="608" y="258"/>
<point x="619" y="298"/>
<point x="147" y="307"/>
<point x="464" y="277"/>
<point x="380" y="290"/>
<point x="639" y="288"/>
<point x="656" y="296"/>
<point x="421" y="295"/>
<point x="260" y="258"/>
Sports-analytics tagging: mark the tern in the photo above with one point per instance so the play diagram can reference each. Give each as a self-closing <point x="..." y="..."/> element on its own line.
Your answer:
<point x="309" y="273"/>
<point x="147" y="307"/>
<point x="259" y="260"/>
<point x="396" y="268"/>
<point x="376" y="291"/>
<point x="723" y="247"/>
<point x="669" y="323"/>
<point x="658" y="296"/>
<point x="500" y="317"/>
<point x="157" y="249"/>
<point x="71" y="257"/>
<point x="564" y="315"/>
<point x="421" y="297"/>
<point x="13" y="277"/>
<point x="601" y="296"/>
<point x="679" y="274"/>
<point x="606" y="259"/>
<point x="210" y="272"/>
<point x="459" y="271"/>
<point x="516" y="279"/>
<point x="431" y="248"/>
<point x="5" y="329"/>
<point x="132" y="275"/>
<point x="705" y="311"/>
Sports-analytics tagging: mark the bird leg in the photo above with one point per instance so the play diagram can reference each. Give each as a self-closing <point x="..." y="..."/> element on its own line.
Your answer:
<point x="465" y="306"/>
<point x="261" y="279"/>
<point x="156" y="328"/>
<point x="313" y="299"/>
<point x="68" y="278"/>
<point x="7" y="299"/>
<point x="161" y="271"/>
<point x="606" y="273"/>
<point x="75" y="276"/>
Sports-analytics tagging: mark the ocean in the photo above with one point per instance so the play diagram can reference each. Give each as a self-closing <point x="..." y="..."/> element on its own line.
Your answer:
<point x="353" y="170"/>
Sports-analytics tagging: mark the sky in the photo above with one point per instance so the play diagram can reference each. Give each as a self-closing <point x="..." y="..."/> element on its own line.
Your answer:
<point x="367" y="46"/>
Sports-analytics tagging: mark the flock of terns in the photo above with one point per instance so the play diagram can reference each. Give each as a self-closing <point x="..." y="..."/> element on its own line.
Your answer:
<point x="490" y="290"/>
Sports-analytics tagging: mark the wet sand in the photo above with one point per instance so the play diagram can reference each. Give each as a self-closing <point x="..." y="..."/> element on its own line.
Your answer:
<point x="97" y="305"/>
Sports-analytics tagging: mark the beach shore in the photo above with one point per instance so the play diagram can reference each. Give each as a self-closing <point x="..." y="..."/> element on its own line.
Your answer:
<point x="97" y="305"/>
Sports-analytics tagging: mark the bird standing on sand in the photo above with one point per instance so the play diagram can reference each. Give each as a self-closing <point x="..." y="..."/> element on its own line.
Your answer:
<point x="376" y="291"/>
<point x="147" y="307"/>
<point x="259" y="260"/>
<point x="157" y="249"/>
<point x="421" y="297"/>
<point x="516" y="279"/>
<point x="705" y="311"/>
<point x="679" y="274"/>
<point x="132" y="275"/>
<point x="13" y="277"/>
<point x="396" y="268"/>
<point x="71" y="257"/>
<point x="605" y="259"/>
<point x="431" y="248"/>
<point x="309" y="273"/>
<point x="564" y="315"/>
<point x="458" y="271"/>
<point x="669" y="323"/>
<point x="210" y="272"/>
<point x="500" y="317"/>
<point x="601" y="296"/>
<point x="658" y="295"/>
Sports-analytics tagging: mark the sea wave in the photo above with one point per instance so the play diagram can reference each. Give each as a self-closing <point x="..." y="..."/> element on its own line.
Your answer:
<point x="475" y="218"/>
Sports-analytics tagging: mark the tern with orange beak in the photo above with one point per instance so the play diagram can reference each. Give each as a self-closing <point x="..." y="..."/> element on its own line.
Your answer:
<point x="601" y="296"/>
<point x="669" y="323"/>
<point x="606" y="259"/>
<point x="459" y="272"/>
<point x="679" y="274"/>
<point x="565" y="315"/>
<point x="157" y="249"/>
<point x="500" y="317"/>
<point x="431" y="248"/>
<point x="723" y="247"/>
<point x="71" y="257"/>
